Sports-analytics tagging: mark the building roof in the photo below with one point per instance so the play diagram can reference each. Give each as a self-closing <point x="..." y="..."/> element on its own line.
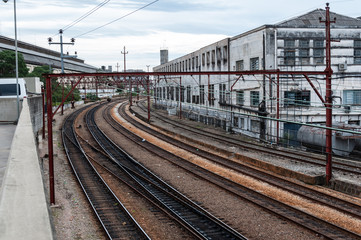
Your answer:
<point x="312" y="20"/>
<point x="36" y="55"/>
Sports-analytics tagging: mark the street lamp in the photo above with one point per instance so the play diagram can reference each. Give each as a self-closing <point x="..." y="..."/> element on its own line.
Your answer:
<point x="16" y="61"/>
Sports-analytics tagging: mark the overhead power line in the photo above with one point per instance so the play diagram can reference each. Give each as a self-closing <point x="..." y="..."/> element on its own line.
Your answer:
<point x="126" y="15"/>
<point x="85" y="15"/>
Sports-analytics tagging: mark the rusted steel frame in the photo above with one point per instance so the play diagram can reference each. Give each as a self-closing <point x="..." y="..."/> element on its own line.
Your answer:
<point x="314" y="89"/>
<point x="278" y="109"/>
<point x="130" y="91"/>
<point x="50" y="140"/>
<point x="180" y="98"/>
<point x="258" y="72"/>
<point x="236" y="82"/>
<point x="148" y="99"/>
<point x="43" y="101"/>
<point x="328" y="72"/>
<point x="70" y="92"/>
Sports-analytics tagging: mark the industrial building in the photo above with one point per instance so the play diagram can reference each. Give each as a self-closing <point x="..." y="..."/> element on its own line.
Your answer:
<point x="38" y="56"/>
<point x="234" y="101"/>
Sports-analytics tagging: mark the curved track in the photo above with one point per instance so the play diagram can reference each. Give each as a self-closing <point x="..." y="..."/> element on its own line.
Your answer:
<point x="115" y="219"/>
<point x="200" y="222"/>
<point x="295" y="215"/>
<point x="315" y="159"/>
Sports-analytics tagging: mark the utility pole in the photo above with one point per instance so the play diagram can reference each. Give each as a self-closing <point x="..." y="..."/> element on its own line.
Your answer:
<point x="61" y="43"/>
<point x="117" y="66"/>
<point x="328" y="100"/>
<point x="124" y="53"/>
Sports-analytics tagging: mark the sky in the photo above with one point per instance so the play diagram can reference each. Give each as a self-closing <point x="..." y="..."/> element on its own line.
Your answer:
<point x="181" y="26"/>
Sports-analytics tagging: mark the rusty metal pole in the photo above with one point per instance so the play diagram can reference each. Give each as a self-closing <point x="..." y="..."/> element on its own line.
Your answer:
<point x="180" y="98"/>
<point x="148" y="98"/>
<point x="328" y="72"/>
<point x="138" y="89"/>
<point x="278" y="107"/>
<point x="130" y="91"/>
<point x="96" y="86"/>
<point x="50" y="140"/>
<point x="62" y="99"/>
<point x="43" y="100"/>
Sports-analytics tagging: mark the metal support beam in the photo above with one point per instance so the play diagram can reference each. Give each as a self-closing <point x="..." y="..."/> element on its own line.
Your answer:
<point x="43" y="101"/>
<point x="328" y="98"/>
<point x="148" y="98"/>
<point x="50" y="140"/>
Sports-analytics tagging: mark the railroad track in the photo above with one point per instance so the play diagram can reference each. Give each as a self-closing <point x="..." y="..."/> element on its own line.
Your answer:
<point x="116" y="221"/>
<point x="201" y="223"/>
<point x="314" y="159"/>
<point x="318" y="225"/>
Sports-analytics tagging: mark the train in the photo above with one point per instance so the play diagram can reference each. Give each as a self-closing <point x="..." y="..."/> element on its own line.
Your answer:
<point x="343" y="143"/>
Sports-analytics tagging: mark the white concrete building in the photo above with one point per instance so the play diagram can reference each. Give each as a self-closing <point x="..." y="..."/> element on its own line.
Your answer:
<point x="298" y="44"/>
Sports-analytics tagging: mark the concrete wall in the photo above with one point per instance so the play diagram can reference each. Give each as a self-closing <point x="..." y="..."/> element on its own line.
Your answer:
<point x="36" y="112"/>
<point x="8" y="108"/>
<point x="23" y="207"/>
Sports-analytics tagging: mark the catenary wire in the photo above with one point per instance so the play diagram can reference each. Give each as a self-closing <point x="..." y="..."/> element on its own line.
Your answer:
<point x="115" y="20"/>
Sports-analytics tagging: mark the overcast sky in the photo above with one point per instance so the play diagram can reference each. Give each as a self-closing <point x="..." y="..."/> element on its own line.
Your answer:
<point x="181" y="26"/>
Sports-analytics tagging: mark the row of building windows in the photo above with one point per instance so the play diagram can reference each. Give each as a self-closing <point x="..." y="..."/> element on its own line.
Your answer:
<point x="219" y="56"/>
<point x="301" y="54"/>
<point x="291" y="98"/>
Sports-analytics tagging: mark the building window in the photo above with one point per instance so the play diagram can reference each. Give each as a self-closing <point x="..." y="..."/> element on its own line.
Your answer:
<point x="357" y="52"/>
<point x="197" y="65"/>
<point x="289" y="52"/>
<point x="211" y="95"/>
<point x="239" y="65"/>
<point x="208" y="58"/>
<point x="182" y="93"/>
<point x="290" y="57"/>
<point x="172" y="93"/>
<point x="213" y="56"/>
<point x="304" y="43"/>
<point x="318" y="55"/>
<point x="177" y="94"/>
<point x="289" y="43"/>
<point x="304" y="56"/>
<point x="235" y="122"/>
<point x="254" y="63"/>
<point x="222" y="93"/>
<point x="297" y="98"/>
<point x="318" y="52"/>
<point x="188" y="94"/>
<point x="318" y="43"/>
<point x="240" y="97"/>
<point x="203" y="59"/>
<point x="352" y="97"/>
<point x="201" y="94"/>
<point x="254" y="98"/>
<point x="225" y="53"/>
<point x="219" y="55"/>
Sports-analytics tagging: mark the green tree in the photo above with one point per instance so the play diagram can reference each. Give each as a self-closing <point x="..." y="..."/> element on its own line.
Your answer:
<point x="7" y="64"/>
<point x="39" y="71"/>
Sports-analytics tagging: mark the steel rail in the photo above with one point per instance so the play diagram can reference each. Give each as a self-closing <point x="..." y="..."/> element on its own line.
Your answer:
<point x="109" y="210"/>
<point x="202" y="222"/>
<point x="287" y="212"/>
<point x="292" y="187"/>
<point x="353" y="168"/>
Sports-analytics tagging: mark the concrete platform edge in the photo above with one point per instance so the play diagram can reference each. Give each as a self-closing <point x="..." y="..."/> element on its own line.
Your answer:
<point x="24" y="212"/>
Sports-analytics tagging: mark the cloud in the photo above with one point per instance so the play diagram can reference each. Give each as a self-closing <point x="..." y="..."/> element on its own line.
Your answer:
<point x="181" y="25"/>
